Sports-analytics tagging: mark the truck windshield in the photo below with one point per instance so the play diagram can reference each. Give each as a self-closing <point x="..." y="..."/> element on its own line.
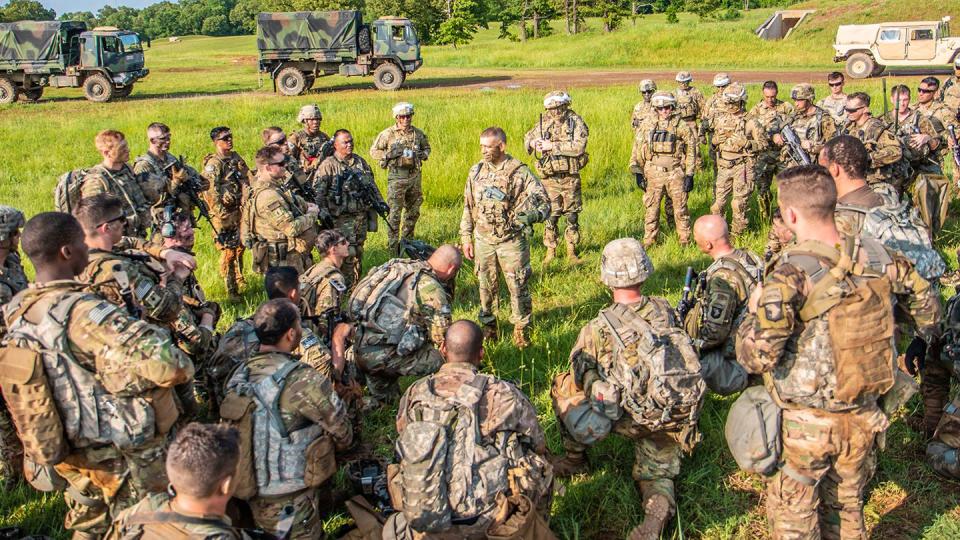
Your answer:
<point x="411" y="34"/>
<point x="131" y="43"/>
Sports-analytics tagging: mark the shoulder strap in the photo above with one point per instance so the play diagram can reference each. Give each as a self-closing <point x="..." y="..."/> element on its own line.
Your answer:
<point x="146" y="518"/>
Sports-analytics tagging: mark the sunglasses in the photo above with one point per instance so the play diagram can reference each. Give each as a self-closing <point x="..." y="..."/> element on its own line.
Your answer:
<point x="165" y="138"/>
<point x="835" y="84"/>
<point x="226" y="138"/>
<point x="277" y="163"/>
<point x="926" y="90"/>
<point x="121" y="218"/>
<point x="279" y="141"/>
<point x="854" y="109"/>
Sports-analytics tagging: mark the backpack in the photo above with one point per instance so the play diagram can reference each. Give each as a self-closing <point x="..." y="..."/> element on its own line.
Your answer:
<point x="380" y="305"/>
<point x="951" y="335"/>
<point x="752" y="431"/>
<point x="66" y="194"/>
<point x="657" y="371"/>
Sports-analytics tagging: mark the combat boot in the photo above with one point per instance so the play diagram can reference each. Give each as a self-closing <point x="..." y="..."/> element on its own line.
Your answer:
<point x="569" y="464"/>
<point x="520" y="337"/>
<point x="551" y="254"/>
<point x="656" y="511"/>
<point x="572" y="258"/>
<point x="490" y="332"/>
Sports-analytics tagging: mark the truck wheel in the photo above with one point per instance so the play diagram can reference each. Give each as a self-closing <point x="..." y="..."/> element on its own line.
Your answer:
<point x="8" y="92"/>
<point x="387" y="76"/>
<point x="860" y="65"/>
<point x="33" y="94"/>
<point x="363" y="40"/>
<point x="123" y="92"/>
<point x="291" y="81"/>
<point x="98" y="88"/>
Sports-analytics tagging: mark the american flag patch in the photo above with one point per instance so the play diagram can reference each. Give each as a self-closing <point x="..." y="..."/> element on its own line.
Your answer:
<point x="309" y="341"/>
<point x="143" y="288"/>
<point x="99" y="313"/>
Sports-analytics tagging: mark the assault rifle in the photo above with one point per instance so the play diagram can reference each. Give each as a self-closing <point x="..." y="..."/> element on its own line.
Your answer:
<point x="415" y="249"/>
<point x="190" y="187"/>
<point x="953" y="142"/>
<point x="686" y="298"/>
<point x="330" y="317"/>
<point x="365" y="194"/>
<point x="794" y="148"/>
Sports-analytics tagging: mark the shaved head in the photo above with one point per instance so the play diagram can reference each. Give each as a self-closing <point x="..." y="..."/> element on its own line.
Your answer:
<point x="446" y="261"/>
<point x="463" y="342"/>
<point x="712" y="236"/>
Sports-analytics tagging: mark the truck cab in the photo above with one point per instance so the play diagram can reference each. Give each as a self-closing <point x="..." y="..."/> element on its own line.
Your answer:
<point x="395" y="37"/>
<point x="868" y="49"/>
<point x="116" y="55"/>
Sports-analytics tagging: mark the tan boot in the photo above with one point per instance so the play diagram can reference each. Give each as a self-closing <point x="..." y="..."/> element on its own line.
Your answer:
<point x="520" y="337"/>
<point x="551" y="254"/>
<point x="569" y="464"/>
<point x="572" y="258"/>
<point x="656" y="510"/>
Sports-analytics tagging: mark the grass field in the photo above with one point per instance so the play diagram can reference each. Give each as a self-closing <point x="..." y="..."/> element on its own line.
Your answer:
<point x="716" y="501"/>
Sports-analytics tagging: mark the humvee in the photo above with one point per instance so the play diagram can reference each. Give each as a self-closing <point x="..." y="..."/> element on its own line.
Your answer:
<point x="870" y="48"/>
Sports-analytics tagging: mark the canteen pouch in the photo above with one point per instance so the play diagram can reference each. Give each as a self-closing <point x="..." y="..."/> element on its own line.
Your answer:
<point x="753" y="430"/>
<point x="320" y="462"/>
<point x="32" y="406"/>
<point x="237" y="411"/>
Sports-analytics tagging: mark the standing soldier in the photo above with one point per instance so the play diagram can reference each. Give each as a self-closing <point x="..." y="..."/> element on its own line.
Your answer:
<point x="883" y="148"/>
<point x="166" y="181"/>
<point x="812" y="125"/>
<point x="821" y="331"/>
<point x="714" y="104"/>
<point x="664" y="156"/>
<point x="229" y="179"/>
<point x="401" y="149"/>
<point x="348" y="196"/>
<point x="502" y="201"/>
<point x="307" y="145"/>
<point x="616" y="368"/>
<point x="945" y="119"/>
<point x="561" y="142"/>
<point x="949" y="93"/>
<point x="114" y="175"/>
<point x="769" y="114"/>
<point x="837" y="100"/>
<point x="643" y="111"/>
<point x="104" y="424"/>
<point x="277" y="226"/>
<point x="12" y="281"/>
<point x="690" y="101"/>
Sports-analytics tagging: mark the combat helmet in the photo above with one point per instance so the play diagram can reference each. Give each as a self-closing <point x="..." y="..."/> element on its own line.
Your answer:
<point x="721" y="79"/>
<point x="624" y="263"/>
<point x="684" y="76"/>
<point x="308" y="112"/>
<point x="556" y="99"/>
<point x="403" y="109"/>
<point x="803" y="91"/>
<point x="663" y="99"/>
<point x="735" y="93"/>
<point x="11" y="220"/>
<point x="647" y="85"/>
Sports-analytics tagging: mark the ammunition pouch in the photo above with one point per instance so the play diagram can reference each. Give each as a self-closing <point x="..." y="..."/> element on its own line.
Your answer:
<point x="320" y="462"/>
<point x="261" y="261"/>
<point x="277" y="253"/>
<point x="663" y="142"/>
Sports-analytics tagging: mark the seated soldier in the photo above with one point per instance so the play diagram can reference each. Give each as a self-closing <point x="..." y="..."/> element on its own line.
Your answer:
<point x="482" y="417"/>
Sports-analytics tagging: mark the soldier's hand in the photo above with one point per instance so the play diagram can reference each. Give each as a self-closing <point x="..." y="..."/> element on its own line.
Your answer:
<point x="313" y="209"/>
<point x="778" y="139"/>
<point x="544" y="145"/>
<point x="181" y="271"/>
<point x="468" y="250"/>
<point x="754" y="301"/>
<point x="688" y="183"/>
<point x="528" y="218"/>
<point x="919" y="140"/>
<point x="915" y="358"/>
<point x="173" y="257"/>
<point x="178" y="175"/>
<point x="641" y="181"/>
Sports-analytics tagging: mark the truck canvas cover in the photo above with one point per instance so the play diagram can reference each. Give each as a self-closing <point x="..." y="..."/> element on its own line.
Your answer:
<point x="306" y="30"/>
<point x="30" y="41"/>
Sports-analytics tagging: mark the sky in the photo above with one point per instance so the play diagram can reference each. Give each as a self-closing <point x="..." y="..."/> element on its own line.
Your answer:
<point x="63" y="6"/>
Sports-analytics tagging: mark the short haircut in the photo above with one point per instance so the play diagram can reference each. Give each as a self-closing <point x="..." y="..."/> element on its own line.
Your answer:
<point x="849" y="153"/>
<point x="94" y="211"/>
<point x="496" y="132"/>
<point x="771" y="85"/>
<point x="157" y="128"/>
<point x="108" y="139"/>
<point x="218" y="132"/>
<point x="931" y="81"/>
<point x="809" y="190"/>
<point x="328" y="239"/>
<point x="269" y="132"/>
<point x="834" y="76"/>
<point x="266" y="155"/>
<point x="463" y="341"/>
<point x="899" y="89"/>
<point x="862" y="96"/>
<point x="280" y="280"/>
<point x="201" y="457"/>
<point x="273" y="319"/>
<point x="339" y="132"/>
<point x="46" y="233"/>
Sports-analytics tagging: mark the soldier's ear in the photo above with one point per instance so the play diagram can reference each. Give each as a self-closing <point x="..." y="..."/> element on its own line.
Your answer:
<point x="227" y="486"/>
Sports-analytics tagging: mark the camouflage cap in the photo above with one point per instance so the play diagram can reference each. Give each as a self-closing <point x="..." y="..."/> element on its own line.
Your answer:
<point x="648" y="85"/>
<point x="663" y="99"/>
<point x="556" y="99"/>
<point x="735" y="93"/>
<point x="803" y="91"/>
<point x="308" y="112"/>
<point x="403" y="109"/>
<point x="721" y="79"/>
<point x="684" y="76"/>
<point x="624" y="263"/>
<point x="11" y="220"/>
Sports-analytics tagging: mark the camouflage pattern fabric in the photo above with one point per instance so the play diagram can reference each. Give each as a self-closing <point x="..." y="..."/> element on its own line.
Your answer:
<point x="129" y="187"/>
<point x="322" y="287"/>
<point x="835" y="107"/>
<point x="733" y="136"/>
<point x="884" y="150"/>
<point x="160" y="303"/>
<point x="949" y="94"/>
<point x="229" y="179"/>
<point x="270" y="513"/>
<point x="12" y="281"/>
<point x="942" y="450"/>
<point x="814" y="128"/>
<point x="278" y="226"/>
<point x="305" y="148"/>
<point x="401" y="153"/>
<point x="155" y="517"/>
<point x="768" y="158"/>
<point x="160" y="189"/>
<point x="923" y="160"/>
<point x="643" y="113"/>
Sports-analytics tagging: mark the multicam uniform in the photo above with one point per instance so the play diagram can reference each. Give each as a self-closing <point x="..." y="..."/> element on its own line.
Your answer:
<point x="735" y="138"/>
<point x="690" y="106"/>
<point x="229" y="179"/>
<point x="401" y="152"/>
<point x="339" y="194"/>
<point x="928" y="186"/>
<point x="494" y="194"/>
<point x="162" y="187"/>
<point x="118" y="408"/>
<point x="278" y="227"/>
<point x="306" y="148"/>
<point x="836" y="107"/>
<point x="827" y="359"/>
<point x="643" y="113"/>
<point x="132" y="280"/>
<point x="814" y="129"/>
<point x="126" y="185"/>
<point x="768" y="159"/>
<point x="883" y="148"/>
<point x="12" y="281"/>
<point x="949" y="93"/>
<point x="156" y="517"/>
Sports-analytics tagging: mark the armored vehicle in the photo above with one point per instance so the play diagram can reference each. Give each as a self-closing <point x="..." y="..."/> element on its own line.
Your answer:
<point x="868" y="49"/>
<point x="297" y="47"/>
<point x="105" y="61"/>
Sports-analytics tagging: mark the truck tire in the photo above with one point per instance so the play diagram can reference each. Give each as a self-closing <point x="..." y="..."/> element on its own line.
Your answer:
<point x="860" y="65"/>
<point x="387" y="76"/>
<point x="363" y="40"/>
<point x="8" y="91"/>
<point x="291" y="81"/>
<point x="98" y="88"/>
<point x="123" y="92"/>
<point x="33" y="94"/>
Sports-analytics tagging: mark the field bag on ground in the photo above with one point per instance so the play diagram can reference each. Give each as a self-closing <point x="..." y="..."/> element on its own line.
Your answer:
<point x="581" y="420"/>
<point x="753" y="431"/>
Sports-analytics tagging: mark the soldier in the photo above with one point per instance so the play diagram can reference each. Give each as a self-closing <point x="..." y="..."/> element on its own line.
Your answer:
<point x="402" y="310"/>
<point x="664" y="157"/>
<point x="12" y="281"/>
<point x="714" y="104"/>
<point x="720" y="305"/>
<point x="201" y="465"/>
<point x="608" y="373"/>
<point x="883" y="148"/>
<point x="502" y="200"/>
<point x="296" y="180"/>
<point x="348" y="196"/>
<point x="278" y="226"/>
<point x="943" y="448"/>
<point x="846" y="159"/>
<point x="690" y="101"/>
<point x="837" y="100"/>
<point x="401" y="149"/>
<point x="504" y="424"/>
<point x="167" y="182"/>
<point x="949" y="93"/>
<point x="303" y="421"/>
<point x="114" y="175"/>
<point x="812" y="125"/>
<point x="941" y="116"/>
<point x="323" y="286"/>
<point x="736" y="140"/>
<point x="229" y="179"/>
<point x="827" y="357"/>
<point x="309" y="145"/>
<point x="769" y="114"/>
<point x="561" y="141"/>
<point x="114" y="376"/>
<point x="643" y="111"/>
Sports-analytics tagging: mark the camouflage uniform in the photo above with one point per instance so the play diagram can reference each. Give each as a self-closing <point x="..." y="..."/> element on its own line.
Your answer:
<point x="129" y="187"/>
<point x="155" y="517"/>
<point x="836" y="107"/>
<point x="401" y="153"/>
<point x="277" y="227"/>
<point x="306" y="148"/>
<point x="814" y="129"/>
<point x="690" y="106"/>
<point x="133" y="280"/>
<point x="229" y="179"/>
<point x="322" y="288"/>
<point x="767" y="163"/>
<point x="126" y="358"/>
<point x="493" y="197"/>
<point x="828" y="439"/>
<point x="942" y="449"/>
<point x="926" y="182"/>
<point x="883" y="148"/>
<point x="713" y="105"/>
<point x="12" y="281"/>
<point x="949" y="93"/>
<point x="721" y="303"/>
<point x="159" y="187"/>
<point x="351" y="215"/>
<point x="643" y="114"/>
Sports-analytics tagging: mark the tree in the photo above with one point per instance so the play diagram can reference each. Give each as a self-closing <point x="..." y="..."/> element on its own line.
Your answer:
<point x="123" y="17"/>
<point x="461" y="24"/>
<point x="89" y="18"/>
<point x="26" y="10"/>
<point x="217" y="25"/>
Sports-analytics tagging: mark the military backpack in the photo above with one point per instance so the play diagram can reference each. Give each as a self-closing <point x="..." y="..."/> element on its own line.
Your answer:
<point x="384" y="303"/>
<point x="66" y="194"/>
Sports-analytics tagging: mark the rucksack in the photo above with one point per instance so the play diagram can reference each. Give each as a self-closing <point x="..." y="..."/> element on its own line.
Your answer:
<point x="657" y="371"/>
<point x="752" y="431"/>
<point x="382" y="307"/>
<point x="66" y="194"/>
<point x="951" y="335"/>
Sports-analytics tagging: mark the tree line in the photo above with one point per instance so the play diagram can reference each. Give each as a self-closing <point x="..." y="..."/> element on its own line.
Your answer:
<point x="452" y="22"/>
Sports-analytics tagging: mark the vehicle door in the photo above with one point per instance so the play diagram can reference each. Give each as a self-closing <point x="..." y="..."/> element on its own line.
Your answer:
<point x="892" y="43"/>
<point x="922" y="44"/>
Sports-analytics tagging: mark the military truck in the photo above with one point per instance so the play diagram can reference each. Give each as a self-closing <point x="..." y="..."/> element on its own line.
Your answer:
<point x="868" y="49"/>
<point x="105" y="61"/>
<point x="297" y="47"/>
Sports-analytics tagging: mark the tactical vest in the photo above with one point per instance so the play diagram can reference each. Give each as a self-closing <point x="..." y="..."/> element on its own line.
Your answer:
<point x="748" y="270"/>
<point x="231" y="181"/>
<point x="844" y="354"/>
<point x="68" y="192"/>
<point x="730" y="136"/>
<point x="163" y="523"/>
<point x="810" y="128"/>
<point x="687" y="107"/>
<point x="664" y="142"/>
<point x="384" y="305"/>
<point x="259" y="235"/>
<point x="493" y="203"/>
<point x="311" y="145"/>
<point x="317" y="279"/>
<point x="346" y="188"/>
<point x="558" y="165"/>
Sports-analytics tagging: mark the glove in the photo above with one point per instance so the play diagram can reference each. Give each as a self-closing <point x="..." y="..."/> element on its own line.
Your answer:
<point x="916" y="356"/>
<point x="528" y="218"/>
<point x="688" y="183"/>
<point x="641" y="181"/>
<point x="178" y="175"/>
